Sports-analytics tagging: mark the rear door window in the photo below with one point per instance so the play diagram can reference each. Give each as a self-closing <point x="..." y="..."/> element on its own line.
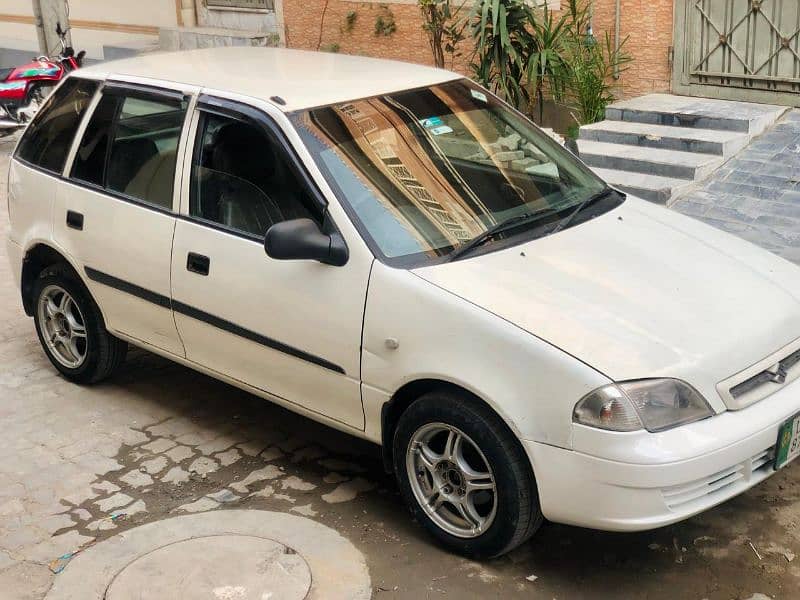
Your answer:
<point x="130" y="147"/>
<point x="90" y="160"/>
<point x="48" y="139"/>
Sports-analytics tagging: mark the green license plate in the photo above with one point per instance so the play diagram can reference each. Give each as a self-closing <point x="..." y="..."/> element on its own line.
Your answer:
<point x="788" y="446"/>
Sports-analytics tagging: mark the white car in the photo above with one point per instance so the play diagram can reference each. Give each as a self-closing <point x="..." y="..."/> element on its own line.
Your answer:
<point x="440" y="277"/>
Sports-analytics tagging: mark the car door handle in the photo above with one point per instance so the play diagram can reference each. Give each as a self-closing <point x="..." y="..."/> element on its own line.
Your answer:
<point x="197" y="263"/>
<point x="75" y="220"/>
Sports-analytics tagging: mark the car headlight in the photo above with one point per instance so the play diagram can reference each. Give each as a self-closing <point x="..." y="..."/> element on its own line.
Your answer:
<point x="653" y="404"/>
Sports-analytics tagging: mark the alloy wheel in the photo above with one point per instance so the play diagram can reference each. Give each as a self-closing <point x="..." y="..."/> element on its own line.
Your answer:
<point x="451" y="480"/>
<point x="63" y="326"/>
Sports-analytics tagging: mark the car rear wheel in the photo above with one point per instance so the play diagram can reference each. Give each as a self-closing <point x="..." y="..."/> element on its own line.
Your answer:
<point x="465" y="476"/>
<point x="71" y="328"/>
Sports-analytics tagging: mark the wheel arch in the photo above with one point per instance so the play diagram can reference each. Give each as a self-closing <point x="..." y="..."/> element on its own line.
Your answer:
<point x="405" y="396"/>
<point x="37" y="258"/>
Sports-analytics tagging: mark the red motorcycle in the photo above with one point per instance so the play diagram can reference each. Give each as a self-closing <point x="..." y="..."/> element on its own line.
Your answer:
<point x="24" y="88"/>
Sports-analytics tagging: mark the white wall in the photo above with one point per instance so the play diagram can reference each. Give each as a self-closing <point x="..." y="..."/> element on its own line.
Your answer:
<point x="156" y="13"/>
<point x="151" y="13"/>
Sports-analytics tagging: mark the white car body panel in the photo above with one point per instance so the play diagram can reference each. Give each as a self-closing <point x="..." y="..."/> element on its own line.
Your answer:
<point x="301" y="79"/>
<point x="609" y="293"/>
<point x="31" y="221"/>
<point x="122" y="239"/>
<point x="526" y="381"/>
<point x="298" y="303"/>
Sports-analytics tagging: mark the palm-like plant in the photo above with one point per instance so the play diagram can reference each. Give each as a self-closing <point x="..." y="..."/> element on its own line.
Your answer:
<point x="587" y="67"/>
<point x="522" y="53"/>
<point x="545" y="65"/>
<point x="501" y="30"/>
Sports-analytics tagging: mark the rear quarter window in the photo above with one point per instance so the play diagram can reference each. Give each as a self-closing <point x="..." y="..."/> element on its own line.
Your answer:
<point x="48" y="138"/>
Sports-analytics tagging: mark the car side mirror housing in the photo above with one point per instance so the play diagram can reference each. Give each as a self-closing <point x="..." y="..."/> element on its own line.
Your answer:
<point x="303" y="239"/>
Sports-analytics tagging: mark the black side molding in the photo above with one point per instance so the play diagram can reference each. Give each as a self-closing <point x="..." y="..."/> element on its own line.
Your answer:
<point x="214" y="321"/>
<point x="127" y="287"/>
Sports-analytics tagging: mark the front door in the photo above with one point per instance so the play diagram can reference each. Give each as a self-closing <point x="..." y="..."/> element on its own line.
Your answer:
<point x="745" y="50"/>
<point x="114" y="212"/>
<point x="289" y="328"/>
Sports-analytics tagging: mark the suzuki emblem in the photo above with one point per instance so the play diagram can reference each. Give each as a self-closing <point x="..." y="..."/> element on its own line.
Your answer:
<point x="779" y="375"/>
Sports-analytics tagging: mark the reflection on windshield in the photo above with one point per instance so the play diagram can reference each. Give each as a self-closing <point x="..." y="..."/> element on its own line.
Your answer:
<point x="426" y="171"/>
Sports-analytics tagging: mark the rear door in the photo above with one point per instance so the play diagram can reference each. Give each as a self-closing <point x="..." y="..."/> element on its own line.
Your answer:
<point x="115" y="211"/>
<point x="289" y="328"/>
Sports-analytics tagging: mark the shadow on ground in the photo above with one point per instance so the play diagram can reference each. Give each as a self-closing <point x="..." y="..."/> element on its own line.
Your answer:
<point x="221" y="447"/>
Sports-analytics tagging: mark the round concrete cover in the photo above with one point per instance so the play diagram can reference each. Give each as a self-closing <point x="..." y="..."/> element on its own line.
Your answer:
<point x="219" y="555"/>
<point x="224" y="566"/>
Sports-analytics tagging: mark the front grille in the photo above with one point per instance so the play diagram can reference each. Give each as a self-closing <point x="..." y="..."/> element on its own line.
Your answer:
<point x="717" y="486"/>
<point x="777" y="373"/>
<point x="762" y="379"/>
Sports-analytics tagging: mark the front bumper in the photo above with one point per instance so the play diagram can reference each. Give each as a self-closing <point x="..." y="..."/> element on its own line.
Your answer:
<point x="622" y="485"/>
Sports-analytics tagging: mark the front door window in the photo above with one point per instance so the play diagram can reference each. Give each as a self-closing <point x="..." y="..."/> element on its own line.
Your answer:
<point x="240" y="179"/>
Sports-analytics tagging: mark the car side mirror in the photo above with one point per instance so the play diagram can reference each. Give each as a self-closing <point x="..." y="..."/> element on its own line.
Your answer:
<point x="302" y="239"/>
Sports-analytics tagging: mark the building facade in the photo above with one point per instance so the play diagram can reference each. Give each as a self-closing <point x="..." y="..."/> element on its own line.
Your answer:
<point x="749" y="50"/>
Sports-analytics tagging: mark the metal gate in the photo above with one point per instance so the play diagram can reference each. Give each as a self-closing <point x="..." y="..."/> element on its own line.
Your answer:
<point x="738" y="50"/>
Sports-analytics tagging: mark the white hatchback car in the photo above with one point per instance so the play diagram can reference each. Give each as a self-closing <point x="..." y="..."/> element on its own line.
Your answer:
<point x="440" y="277"/>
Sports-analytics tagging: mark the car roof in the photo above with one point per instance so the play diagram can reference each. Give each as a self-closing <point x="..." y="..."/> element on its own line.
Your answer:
<point x="303" y="79"/>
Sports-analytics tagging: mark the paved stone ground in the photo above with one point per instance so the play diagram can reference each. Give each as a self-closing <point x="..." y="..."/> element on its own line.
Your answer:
<point x="79" y="464"/>
<point x="756" y="195"/>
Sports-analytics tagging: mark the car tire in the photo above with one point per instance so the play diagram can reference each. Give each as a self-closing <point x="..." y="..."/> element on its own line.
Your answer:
<point x="421" y="464"/>
<point x="64" y="312"/>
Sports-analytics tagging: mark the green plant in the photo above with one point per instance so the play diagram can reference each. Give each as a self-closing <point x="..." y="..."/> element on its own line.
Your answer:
<point x="350" y="20"/>
<point x="587" y="68"/>
<point x="384" y="23"/>
<point x="501" y="30"/>
<point x="331" y="47"/>
<point x="524" y="53"/>
<point x="573" y="131"/>
<point x="444" y="27"/>
<point x="545" y="66"/>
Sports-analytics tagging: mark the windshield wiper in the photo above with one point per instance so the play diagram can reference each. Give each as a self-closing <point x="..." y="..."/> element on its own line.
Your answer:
<point x="494" y="230"/>
<point x="605" y="192"/>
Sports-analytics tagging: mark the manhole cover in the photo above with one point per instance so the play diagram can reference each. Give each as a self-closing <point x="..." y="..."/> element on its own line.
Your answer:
<point x="221" y="567"/>
<point x="219" y="555"/>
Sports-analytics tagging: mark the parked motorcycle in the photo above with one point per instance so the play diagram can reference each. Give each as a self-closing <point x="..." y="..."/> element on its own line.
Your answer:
<point x="23" y="89"/>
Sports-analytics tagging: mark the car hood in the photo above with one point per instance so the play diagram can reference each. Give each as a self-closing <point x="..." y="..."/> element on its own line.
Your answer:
<point x="638" y="292"/>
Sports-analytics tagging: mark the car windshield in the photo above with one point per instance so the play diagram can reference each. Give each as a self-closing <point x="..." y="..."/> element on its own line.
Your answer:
<point x="424" y="172"/>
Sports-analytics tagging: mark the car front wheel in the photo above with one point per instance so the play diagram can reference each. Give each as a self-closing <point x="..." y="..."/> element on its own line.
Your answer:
<point x="465" y="475"/>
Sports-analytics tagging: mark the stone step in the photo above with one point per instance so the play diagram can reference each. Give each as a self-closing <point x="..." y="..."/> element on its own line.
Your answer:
<point x="648" y="187"/>
<point x="652" y="161"/>
<point x="683" y="139"/>
<point x="699" y="113"/>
